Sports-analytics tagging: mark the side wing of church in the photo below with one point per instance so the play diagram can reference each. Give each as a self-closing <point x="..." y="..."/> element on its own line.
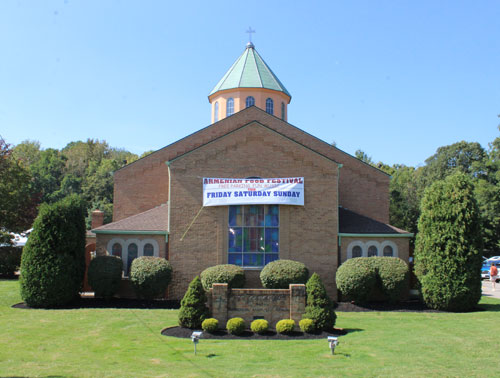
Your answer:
<point x="158" y="200"/>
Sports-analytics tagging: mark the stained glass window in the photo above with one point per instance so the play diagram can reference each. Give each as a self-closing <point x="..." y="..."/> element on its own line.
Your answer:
<point x="283" y="111"/>
<point x="250" y="101"/>
<point x="253" y="238"/>
<point x="216" y="111"/>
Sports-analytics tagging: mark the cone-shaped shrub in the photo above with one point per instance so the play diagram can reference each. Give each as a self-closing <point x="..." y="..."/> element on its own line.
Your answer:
<point x="53" y="260"/>
<point x="193" y="308"/>
<point x="449" y="246"/>
<point x="105" y="275"/>
<point x="319" y="306"/>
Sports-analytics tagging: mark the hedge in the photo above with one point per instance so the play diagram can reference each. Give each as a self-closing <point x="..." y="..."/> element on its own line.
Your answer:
<point x="10" y="260"/>
<point x="360" y="277"/>
<point x="235" y="326"/>
<point x="285" y="326"/>
<point x="280" y="274"/>
<point x="210" y="325"/>
<point x="105" y="275"/>
<point x="233" y="275"/>
<point x="259" y="326"/>
<point x="150" y="276"/>
<point x="53" y="260"/>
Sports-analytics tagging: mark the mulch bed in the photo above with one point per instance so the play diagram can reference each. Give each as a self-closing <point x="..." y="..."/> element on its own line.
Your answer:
<point x="114" y="303"/>
<point x="249" y="335"/>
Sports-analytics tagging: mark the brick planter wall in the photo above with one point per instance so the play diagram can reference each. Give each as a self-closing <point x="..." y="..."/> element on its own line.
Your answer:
<point x="250" y="304"/>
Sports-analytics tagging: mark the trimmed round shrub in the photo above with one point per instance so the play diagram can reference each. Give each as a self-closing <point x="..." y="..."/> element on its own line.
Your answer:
<point x="259" y="326"/>
<point x="394" y="277"/>
<point x="448" y="247"/>
<point x="280" y="274"/>
<point x="10" y="260"/>
<point x="210" y="325"/>
<point x="285" y="326"/>
<point x="356" y="278"/>
<point x="307" y="325"/>
<point x="53" y="260"/>
<point x="319" y="306"/>
<point x="105" y="275"/>
<point x="233" y="275"/>
<point x="235" y="326"/>
<point x="193" y="309"/>
<point x="150" y="276"/>
<point x="361" y="277"/>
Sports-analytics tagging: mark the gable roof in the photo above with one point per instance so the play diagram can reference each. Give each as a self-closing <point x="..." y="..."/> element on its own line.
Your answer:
<point x="154" y="220"/>
<point x="354" y="223"/>
<point x="250" y="71"/>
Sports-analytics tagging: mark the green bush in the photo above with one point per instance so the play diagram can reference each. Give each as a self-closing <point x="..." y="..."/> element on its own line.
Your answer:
<point x="10" y="260"/>
<point x="259" y="326"/>
<point x="280" y="274"/>
<point x="235" y="326"/>
<point x="193" y="309"/>
<point x="210" y="325"/>
<point x="285" y="326"/>
<point x="105" y="275"/>
<point x="150" y="276"/>
<point x="307" y="325"/>
<point x="53" y="260"/>
<point x="319" y="306"/>
<point x="233" y="275"/>
<point x="359" y="278"/>
<point x="448" y="247"/>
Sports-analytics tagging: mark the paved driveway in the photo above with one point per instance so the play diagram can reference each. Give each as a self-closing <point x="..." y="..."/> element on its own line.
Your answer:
<point x="488" y="292"/>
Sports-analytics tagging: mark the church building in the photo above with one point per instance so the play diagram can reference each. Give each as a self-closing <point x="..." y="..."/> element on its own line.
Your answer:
<point x="249" y="189"/>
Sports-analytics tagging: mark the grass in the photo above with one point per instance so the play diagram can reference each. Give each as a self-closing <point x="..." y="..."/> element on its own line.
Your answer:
<point x="127" y="343"/>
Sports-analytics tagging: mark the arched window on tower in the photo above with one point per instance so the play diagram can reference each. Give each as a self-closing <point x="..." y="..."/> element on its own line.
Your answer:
<point x="250" y="101"/>
<point x="269" y="106"/>
<point x="283" y="111"/>
<point x="230" y="107"/>
<point x="216" y="111"/>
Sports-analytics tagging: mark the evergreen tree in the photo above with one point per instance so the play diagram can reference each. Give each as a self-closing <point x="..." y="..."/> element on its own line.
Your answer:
<point x="53" y="260"/>
<point x="319" y="306"/>
<point x="193" y="309"/>
<point x="449" y="245"/>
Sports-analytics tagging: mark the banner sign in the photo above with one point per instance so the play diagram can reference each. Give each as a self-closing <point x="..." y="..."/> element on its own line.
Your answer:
<point x="271" y="191"/>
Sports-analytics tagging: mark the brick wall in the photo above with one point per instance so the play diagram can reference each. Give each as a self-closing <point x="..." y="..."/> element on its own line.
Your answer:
<point x="307" y="233"/>
<point x="250" y="304"/>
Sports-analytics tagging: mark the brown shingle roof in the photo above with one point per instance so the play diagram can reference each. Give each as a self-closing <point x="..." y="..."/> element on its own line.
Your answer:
<point x="155" y="219"/>
<point x="354" y="223"/>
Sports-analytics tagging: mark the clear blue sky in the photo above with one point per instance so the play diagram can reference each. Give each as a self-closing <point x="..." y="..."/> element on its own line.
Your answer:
<point x="396" y="79"/>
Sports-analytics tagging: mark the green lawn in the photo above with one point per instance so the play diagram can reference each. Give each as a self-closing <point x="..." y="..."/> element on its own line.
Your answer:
<point x="127" y="343"/>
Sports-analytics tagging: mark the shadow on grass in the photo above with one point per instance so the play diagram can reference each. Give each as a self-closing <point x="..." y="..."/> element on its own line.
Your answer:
<point x="488" y="307"/>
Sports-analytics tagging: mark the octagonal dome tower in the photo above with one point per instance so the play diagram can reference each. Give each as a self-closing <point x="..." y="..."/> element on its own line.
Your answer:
<point x="249" y="82"/>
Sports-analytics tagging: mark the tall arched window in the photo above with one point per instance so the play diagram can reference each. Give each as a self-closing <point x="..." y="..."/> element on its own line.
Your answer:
<point x="148" y="249"/>
<point x="372" y="251"/>
<point x="250" y="101"/>
<point x="230" y="107"/>
<point x="116" y="250"/>
<point x="270" y="106"/>
<point x="357" y="251"/>
<point x="283" y="111"/>
<point x="216" y="111"/>
<point x="131" y="255"/>
<point x="388" y="251"/>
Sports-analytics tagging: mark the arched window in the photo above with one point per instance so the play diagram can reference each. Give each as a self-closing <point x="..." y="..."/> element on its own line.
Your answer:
<point x="230" y="107"/>
<point x="131" y="255"/>
<point x="388" y="251"/>
<point x="372" y="251"/>
<point x="283" y="111"/>
<point x="270" y="106"/>
<point x="357" y="251"/>
<point x="250" y="101"/>
<point x="116" y="250"/>
<point x="216" y="111"/>
<point x="148" y="249"/>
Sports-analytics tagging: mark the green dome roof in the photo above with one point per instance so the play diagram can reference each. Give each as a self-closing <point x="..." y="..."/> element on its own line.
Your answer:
<point x="250" y="71"/>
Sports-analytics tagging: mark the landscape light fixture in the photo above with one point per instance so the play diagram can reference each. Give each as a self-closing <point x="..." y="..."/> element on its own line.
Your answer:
<point x="195" y="338"/>
<point x="333" y="342"/>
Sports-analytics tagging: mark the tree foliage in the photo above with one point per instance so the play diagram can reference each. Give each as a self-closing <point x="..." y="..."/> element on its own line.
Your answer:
<point x="449" y="245"/>
<point x="319" y="306"/>
<point x="193" y="308"/>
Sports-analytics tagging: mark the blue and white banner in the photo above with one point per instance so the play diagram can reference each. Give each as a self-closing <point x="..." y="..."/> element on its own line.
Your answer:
<point x="270" y="191"/>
